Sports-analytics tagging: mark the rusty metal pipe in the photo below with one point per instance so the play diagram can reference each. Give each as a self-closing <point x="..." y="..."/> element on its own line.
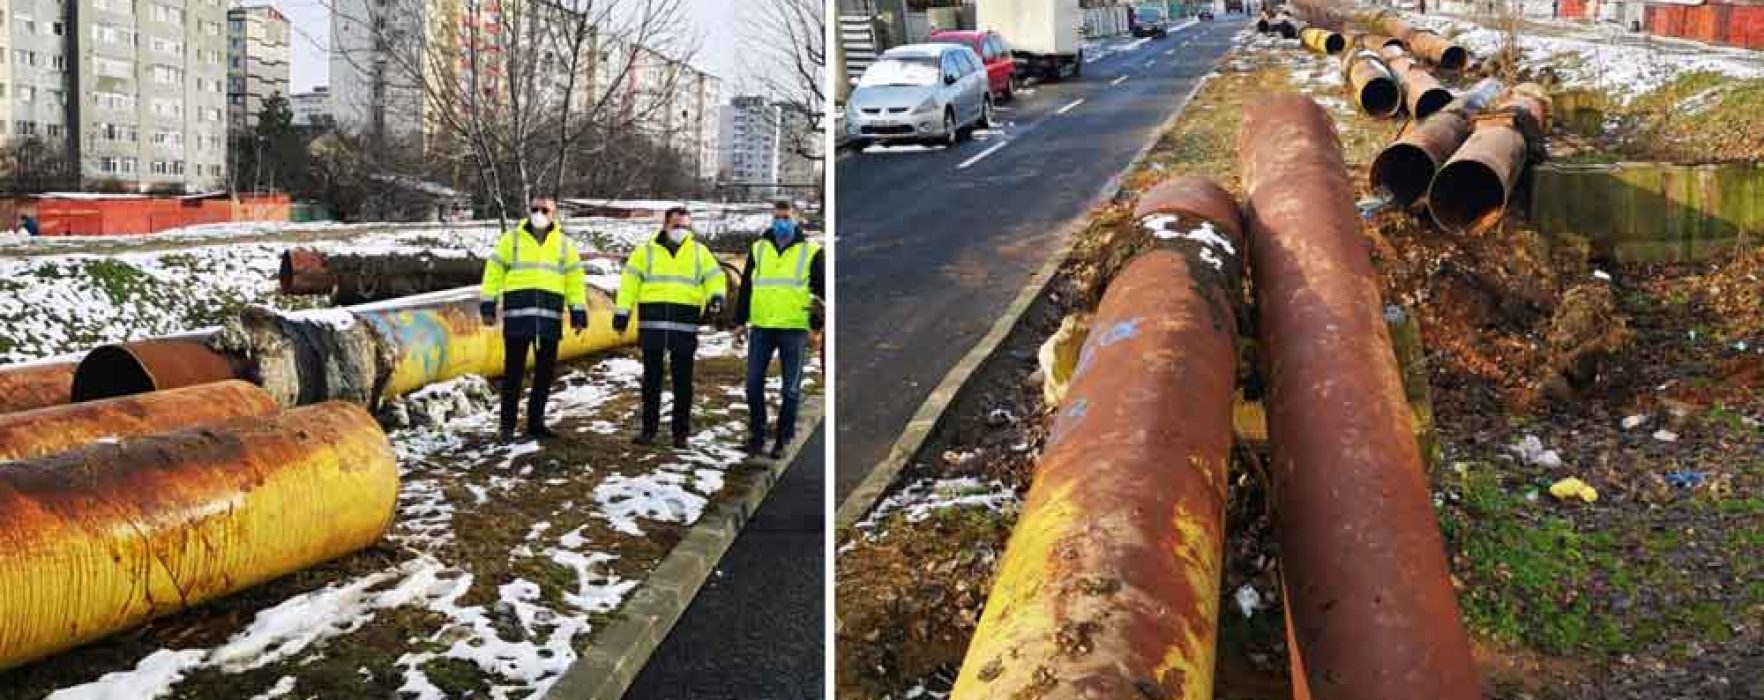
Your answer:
<point x="1377" y="43"/>
<point x="1470" y="192"/>
<point x="109" y="536"/>
<point x="1322" y="41"/>
<point x="1285" y="27"/>
<point x="46" y="431"/>
<point x="1405" y="168"/>
<point x="34" y="385"/>
<point x="151" y="365"/>
<point x="1109" y="587"/>
<point x="1373" y="609"/>
<point x="1422" y="92"/>
<point x="1373" y="85"/>
<point x="303" y="271"/>
<point x="1438" y="50"/>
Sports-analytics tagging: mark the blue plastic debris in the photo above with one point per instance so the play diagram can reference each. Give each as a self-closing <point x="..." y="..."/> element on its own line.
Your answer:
<point x="1686" y="479"/>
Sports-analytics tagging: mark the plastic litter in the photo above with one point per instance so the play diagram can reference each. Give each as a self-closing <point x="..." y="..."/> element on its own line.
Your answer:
<point x="1248" y="600"/>
<point x="1664" y="435"/>
<point x="1686" y="479"/>
<point x="1573" y="487"/>
<point x="1632" y="422"/>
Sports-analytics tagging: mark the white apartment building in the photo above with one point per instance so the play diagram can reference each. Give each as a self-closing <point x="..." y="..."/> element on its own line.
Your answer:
<point x="257" y="61"/>
<point x="760" y="140"/>
<point x="312" y="108"/>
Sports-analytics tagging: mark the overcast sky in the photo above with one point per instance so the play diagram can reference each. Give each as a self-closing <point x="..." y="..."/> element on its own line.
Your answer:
<point x="715" y="21"/>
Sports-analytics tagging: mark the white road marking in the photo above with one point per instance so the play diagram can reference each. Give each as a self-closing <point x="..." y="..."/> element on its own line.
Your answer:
<point x="1119" y="80"/>
<point x="1070" y="107"/>
<point x="982" y="154"/>
<point x="1171" y="52"/>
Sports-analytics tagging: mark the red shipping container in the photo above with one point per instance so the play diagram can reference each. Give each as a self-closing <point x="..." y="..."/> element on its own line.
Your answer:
<point x="1571" y="9"/>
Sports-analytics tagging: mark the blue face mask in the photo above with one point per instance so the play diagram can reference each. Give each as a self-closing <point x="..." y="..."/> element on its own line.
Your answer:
<point x="784" y="230"/>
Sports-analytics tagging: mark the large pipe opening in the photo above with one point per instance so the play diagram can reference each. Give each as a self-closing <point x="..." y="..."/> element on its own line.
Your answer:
<point x="1262" y="26"/>
<point x="108" y="372"/>
<point x="1453" y="58"/>
<point x="1467" y="195"/>
<point x="1335" y="44"/>
<point x="1432" y="100"/>
<point x="127" y="369"/>
<point x="1404" y="170"/>
<point x="1380" y="97"/>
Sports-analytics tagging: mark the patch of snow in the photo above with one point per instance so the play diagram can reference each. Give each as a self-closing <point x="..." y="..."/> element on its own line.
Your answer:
<point x="1248" y="600"/>
<point x="1631" y="422"/>
<point x="660" y="496"/>
<point x="152" y="678"/>
<point x="283" y="686"/>
<point x="921" y="499"/>
<point x="1664" y="435"/>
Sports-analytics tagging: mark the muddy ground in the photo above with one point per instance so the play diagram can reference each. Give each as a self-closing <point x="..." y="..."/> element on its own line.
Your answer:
<point x="1654" y="590"/>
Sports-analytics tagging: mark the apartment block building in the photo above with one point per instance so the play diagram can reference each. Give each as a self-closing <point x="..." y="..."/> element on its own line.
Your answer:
<point x="257" y="61"/>
<point x="134" y="91"/>
<point x="761" y="148"/>
<point x="313" y="108"/>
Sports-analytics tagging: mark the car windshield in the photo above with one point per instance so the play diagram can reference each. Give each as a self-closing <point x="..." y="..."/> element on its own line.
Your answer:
<point x="914" y="71"/>
<point x="1151" y="12"/>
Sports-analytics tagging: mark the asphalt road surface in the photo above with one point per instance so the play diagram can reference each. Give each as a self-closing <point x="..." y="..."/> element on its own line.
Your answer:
<point x="934" y="244"/>
<point x="756" y="630"/>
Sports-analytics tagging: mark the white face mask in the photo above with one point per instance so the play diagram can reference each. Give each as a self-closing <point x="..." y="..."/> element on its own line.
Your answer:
<point x="540" y="222"/>
<point x="677" y="234"/>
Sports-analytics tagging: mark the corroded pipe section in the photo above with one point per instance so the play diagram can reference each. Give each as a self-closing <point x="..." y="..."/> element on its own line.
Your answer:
<point x="109" y="536"/>
<point x="1438" y="50"/>
<point x="1109" y="587"/>
<point x="55" y="429"/>
<point x="1422" y="92"/>
<point x="35" y="385"/>
<point x="1322" y="41"/>
<point x="1373" y="85"/>
<point x="1285" y="27"/>
<point x="303" y="272"/>
<point x="1373" y="609"/>
<point x="151" y="365"/>
<point x="1405" y="168"/>
<point x="1377" y="43"/>
<point x="1470" y="192"/>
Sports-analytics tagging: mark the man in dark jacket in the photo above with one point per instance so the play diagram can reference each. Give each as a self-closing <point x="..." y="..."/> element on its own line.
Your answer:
<point x="782" y="288"/>
<point x="535" y="272"/>
<point x="672" y="281"/>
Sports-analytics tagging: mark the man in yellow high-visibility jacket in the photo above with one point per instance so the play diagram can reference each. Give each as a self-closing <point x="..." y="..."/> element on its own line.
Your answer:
<point x="779" y="288"/>
<point x="672" y="281"/>
<point x="535" y="271"/>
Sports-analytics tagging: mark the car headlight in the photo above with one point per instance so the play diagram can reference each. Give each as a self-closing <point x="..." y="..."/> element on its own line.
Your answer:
<point x="926" y="107"/>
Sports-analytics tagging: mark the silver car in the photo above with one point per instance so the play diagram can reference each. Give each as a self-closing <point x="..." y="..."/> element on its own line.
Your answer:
<point x="920" y="93"/>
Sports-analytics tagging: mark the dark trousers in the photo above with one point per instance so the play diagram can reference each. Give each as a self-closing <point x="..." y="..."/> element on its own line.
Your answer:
<point x="789" y="346"/>
<point x="658" y="346"/>
<point x="514" y="369"/>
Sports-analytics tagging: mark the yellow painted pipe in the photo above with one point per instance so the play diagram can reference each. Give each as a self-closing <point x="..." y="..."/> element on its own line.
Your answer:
<point x="1323" y="41"/>
<point x="46" y="431"/>
<point x="441" y="337"/>
<point x="109" y="536"/>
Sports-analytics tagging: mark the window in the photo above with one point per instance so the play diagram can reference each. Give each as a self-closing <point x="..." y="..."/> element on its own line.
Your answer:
<point x="121" y="7"/>
<point x="107" y="164"/>
<point x="167" y="167"/>
<point x="29" y="25"/>
<point x="168" y="107"/>
<point x="56" y="28"/>
<point x="27" y="127"/>
<point x="112" y="34"/>
<point x="24" y="58"/>
<point x="128" y="166"/>
<point x="2" y="93"/>
<point x="112" y="67"/>
<point x="169" y="139"/>
<point x="118" y="101"/>
<point x="166" y="75"/>
<point x="54" y="130"/>
<point x="207" y="27"/>
<point x="26" y="93"/>
<point x="211" y="114"/>
<point x="58" y="62"/>
<point x="166" y="46"/>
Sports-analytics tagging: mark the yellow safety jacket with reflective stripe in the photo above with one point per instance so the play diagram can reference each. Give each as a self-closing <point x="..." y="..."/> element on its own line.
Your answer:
<point x="781" y="297"/>
<point x="690" y="276"/>
<point x="521" y="262"/>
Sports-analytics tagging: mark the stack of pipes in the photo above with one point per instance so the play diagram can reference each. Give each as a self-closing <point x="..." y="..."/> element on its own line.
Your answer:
<point x="1470" y="192"/>
<point x="1372" y="84"/>
<point x="1422" y="93"/>
<point x="1406" y="167"/>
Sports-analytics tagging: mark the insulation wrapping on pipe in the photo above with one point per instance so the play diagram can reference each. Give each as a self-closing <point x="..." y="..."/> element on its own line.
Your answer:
<point x="1372" y="84"/>
<point x="1109" y="587"/>
<point x="35" y="385"/>
<point x="152" y="365"/>
<point x="304" y="271"/>
<point x="1470" y="192"/>
<point x="1322" y="41"/>
<point x="1405" y="168"/>
<point x="109" y="536"/>
<point x="55" y="429"/>
<point x="1373" y="610"/>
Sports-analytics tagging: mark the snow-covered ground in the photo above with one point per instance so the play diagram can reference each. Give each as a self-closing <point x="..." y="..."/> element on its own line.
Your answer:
<point x="1601" y="56"/>
<point x="523" y="640"/>
<point x="54" y="301"/>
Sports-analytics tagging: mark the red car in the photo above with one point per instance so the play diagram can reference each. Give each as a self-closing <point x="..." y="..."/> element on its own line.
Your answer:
<point x="1001" y="69"/>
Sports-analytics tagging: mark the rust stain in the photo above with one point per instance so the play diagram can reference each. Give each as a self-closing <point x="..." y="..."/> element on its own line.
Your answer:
<point x="27" y="387"/>
<point x="50" y="430"/>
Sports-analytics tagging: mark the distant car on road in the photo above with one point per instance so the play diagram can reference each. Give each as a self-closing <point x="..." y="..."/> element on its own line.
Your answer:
<point x="1151" y="21"/>
<point x="1205" y="16"/>
<point x="1001" y="68"/>
<point x="920" y="93"/>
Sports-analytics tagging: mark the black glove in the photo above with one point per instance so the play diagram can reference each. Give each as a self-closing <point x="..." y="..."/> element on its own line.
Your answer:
<point x="621" y="322"/>
<point x="487" y="310"/>
<point x="579" y="319"/>
<point x="715" y="307"/>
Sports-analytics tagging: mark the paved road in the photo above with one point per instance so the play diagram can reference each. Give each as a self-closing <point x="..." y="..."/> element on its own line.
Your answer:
<point x="756" y="631"/>
<point x="933" y="245"/>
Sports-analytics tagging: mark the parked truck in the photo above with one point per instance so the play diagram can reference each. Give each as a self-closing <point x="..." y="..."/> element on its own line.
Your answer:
<point x="1045" y="36"/>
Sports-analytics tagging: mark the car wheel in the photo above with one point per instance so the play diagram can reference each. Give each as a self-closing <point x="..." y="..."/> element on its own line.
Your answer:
<point x="1010" y="93"/>
<point x="951" y="134"/>
<point x="986" y="113"/>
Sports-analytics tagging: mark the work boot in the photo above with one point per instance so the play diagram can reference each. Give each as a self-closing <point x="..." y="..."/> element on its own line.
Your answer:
<point x="644" y="439"/>
<point x="679" y="442"/>
<point x="755" y="446"/>
<point x="505" y="436"/>
<point x="540" y="432"/>
<point x="777" y="450"/>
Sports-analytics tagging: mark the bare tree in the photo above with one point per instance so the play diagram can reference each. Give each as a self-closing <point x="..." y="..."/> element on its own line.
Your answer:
<point x="788" y="63"/>
<point x="513" y="91"/>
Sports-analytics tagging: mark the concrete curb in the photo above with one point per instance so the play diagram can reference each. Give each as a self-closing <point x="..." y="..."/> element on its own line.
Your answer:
<point x="619" y="652"/>
<point x="931" y="413"/>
